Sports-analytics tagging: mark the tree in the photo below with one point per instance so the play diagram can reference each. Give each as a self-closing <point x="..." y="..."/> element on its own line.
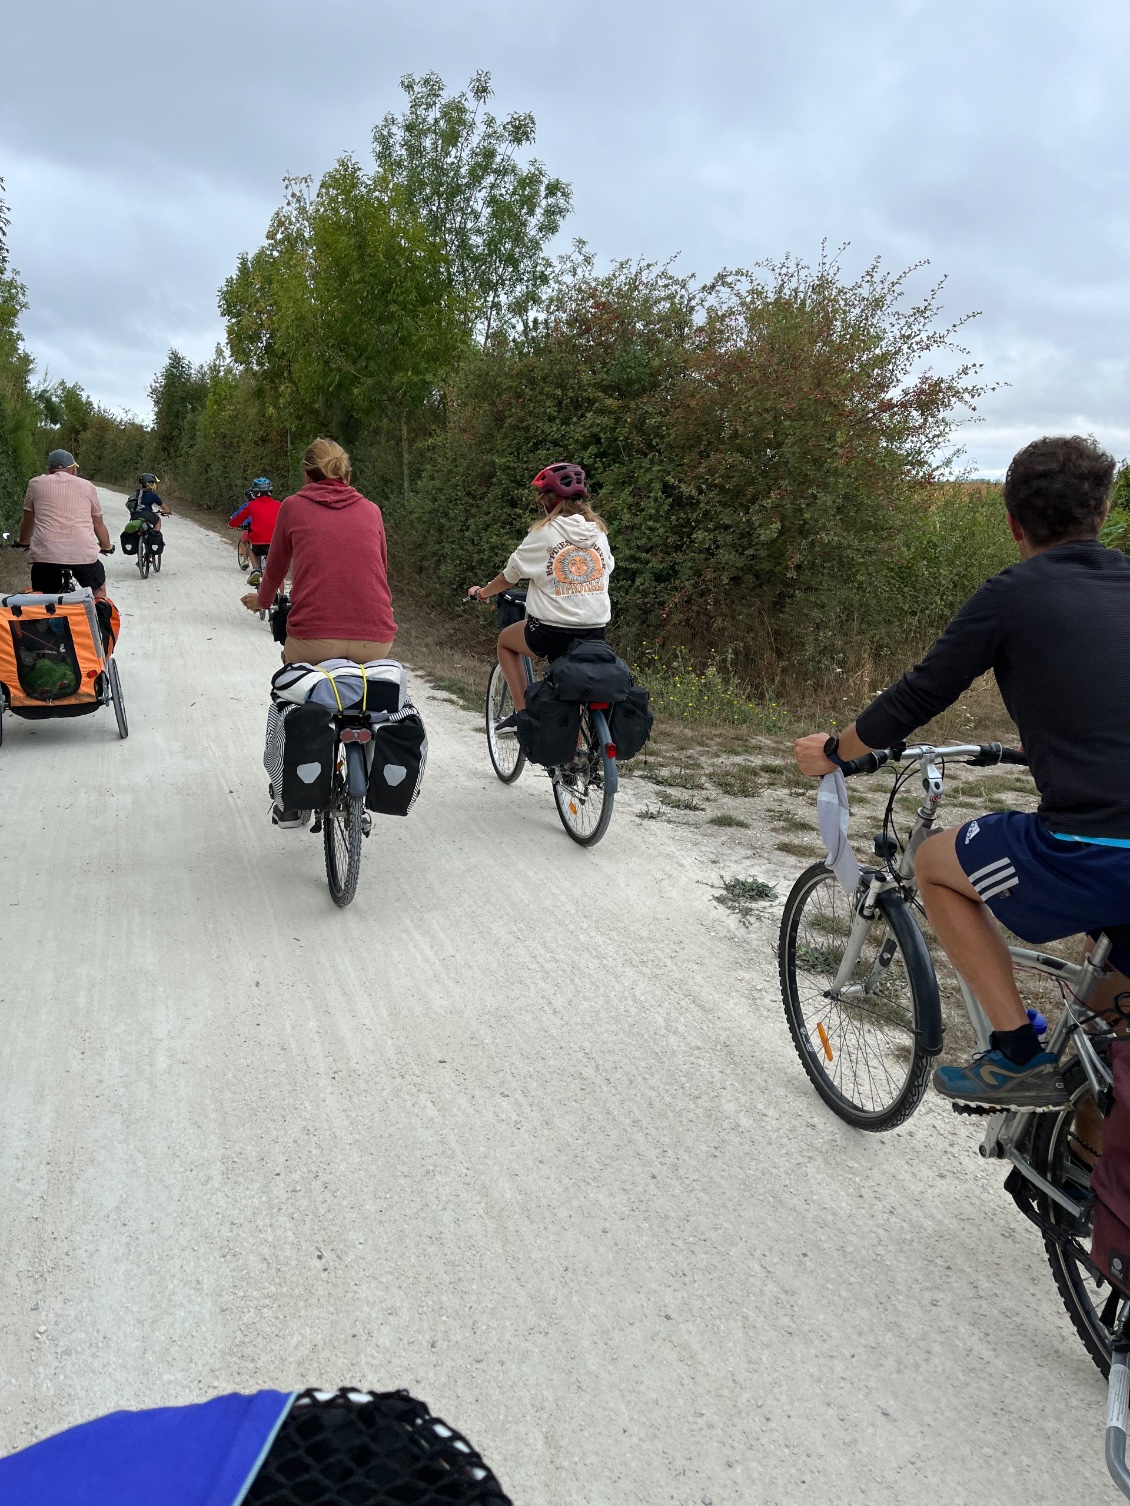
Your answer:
<point x="19" y="413"/>
<point x="177" y="392"/>
<point x="459" y="167"/>
<point x="67" y="414"/>
<point x="350" y="304"/>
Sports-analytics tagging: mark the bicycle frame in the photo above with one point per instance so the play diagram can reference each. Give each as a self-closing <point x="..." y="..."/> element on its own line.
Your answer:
<point x="1077" y="979"/>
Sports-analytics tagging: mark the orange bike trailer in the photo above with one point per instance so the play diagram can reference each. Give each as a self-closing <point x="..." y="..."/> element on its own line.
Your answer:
<point x="56" y="655"/>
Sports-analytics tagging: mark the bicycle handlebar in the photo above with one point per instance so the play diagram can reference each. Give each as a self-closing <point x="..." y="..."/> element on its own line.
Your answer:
<point x="977" y="755"/>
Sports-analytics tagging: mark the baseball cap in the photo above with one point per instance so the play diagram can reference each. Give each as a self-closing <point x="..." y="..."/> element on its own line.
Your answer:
<point x="62" y="458"/>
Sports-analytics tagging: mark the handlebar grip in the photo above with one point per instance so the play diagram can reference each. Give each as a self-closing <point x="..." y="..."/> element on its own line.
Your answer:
<point x="992" y="754"/>
<point x="869" y="763"/>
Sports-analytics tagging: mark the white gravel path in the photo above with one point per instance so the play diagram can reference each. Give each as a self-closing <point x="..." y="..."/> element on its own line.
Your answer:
<point x="521" y="1130"/>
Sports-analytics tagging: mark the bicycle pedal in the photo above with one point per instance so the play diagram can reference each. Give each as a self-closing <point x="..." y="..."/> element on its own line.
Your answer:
<point x="975" y="1110"/>
<point x="316" y="824"/>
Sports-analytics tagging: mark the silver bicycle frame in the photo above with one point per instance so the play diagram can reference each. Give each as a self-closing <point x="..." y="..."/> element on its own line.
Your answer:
<point x="1077" y="979"/>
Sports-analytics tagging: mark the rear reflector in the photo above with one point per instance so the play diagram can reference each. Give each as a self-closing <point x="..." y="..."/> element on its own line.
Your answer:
<point x="356" y="735"/>
<point x="600" y="705"/>
<point x="610" y="749"/>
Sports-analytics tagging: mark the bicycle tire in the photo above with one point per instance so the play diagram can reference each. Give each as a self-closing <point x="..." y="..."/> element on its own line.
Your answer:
<point x="566" y="795"/>
<point x="850" y="1021"/>
<point x="243" y="554"/>
<point x="1082" y="1296"/>
<point x="117" y="698"/>
<point x="143" y="565"/>
<point x="157" y="561"/>
<point x="506" y="755"/>
<point x="343" y="853"/>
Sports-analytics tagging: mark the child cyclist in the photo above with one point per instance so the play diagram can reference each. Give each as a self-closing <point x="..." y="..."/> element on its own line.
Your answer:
<point x="567" y="561"/>
<point x="258" y="512"/>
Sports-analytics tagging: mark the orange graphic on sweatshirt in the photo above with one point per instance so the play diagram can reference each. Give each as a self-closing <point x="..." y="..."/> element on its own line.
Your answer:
<point x="577" y="569"/>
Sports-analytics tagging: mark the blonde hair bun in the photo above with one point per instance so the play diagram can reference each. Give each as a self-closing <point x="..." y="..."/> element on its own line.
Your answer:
<point x="325" y="460"/>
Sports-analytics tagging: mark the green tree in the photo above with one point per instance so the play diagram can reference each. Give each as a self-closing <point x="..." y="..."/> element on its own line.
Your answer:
<point x="19" y="412"/>
<point x="493" y="214"/>
<point x="67" y="414"/>
<point x="349" y="306"/>
<point x="178" y="392"/>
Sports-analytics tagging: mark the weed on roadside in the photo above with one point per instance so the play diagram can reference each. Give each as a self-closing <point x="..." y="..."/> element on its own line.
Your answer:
<point x="787" y="821"/>
<point x="715" y="694"/>
<point x="679" y="803"/>
<point x="801" y="849"/>
<point x="741" y="896"/>
<point x="725" y="819"/>
<point x="650" y="813"/>
<point x="741" y="782"/>
<point x="679" y="779"/>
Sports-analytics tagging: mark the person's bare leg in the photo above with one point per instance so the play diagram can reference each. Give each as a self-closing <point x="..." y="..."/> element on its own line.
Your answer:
<point x="512" y="650"/>
<point x="967" y="931"/>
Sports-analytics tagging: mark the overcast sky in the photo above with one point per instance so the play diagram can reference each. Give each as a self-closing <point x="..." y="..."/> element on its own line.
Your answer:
<point x="144" y="144"/>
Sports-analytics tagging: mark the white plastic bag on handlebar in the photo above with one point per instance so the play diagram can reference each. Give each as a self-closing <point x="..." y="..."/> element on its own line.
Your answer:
<point x="832" y="814"/>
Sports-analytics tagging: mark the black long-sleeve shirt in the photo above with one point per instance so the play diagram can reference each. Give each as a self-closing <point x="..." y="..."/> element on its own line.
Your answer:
<point x="1055" y="631"/>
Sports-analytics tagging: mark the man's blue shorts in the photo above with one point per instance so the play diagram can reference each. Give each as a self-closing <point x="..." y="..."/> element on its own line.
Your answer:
<point x="1042" y="887"/>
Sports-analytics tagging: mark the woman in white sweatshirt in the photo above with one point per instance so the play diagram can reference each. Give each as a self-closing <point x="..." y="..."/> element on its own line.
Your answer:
<point x="567" y="561"/>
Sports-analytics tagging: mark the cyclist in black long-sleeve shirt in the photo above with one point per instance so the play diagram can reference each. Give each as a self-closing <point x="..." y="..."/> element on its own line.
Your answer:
<point x="1055" y="631"/>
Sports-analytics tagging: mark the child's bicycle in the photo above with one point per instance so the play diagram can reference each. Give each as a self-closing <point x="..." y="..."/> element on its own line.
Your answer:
<point x="150" y="548"/>
<point x="584" y="790"/>
<point x="863" y="1007"/>
<point x="243" y="548"/>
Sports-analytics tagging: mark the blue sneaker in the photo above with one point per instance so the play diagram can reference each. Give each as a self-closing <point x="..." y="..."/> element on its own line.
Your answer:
<point x="991" y="1081"/>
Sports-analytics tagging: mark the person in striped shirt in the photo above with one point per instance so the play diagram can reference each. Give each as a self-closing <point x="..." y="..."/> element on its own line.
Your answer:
<point x="62" y="528"/>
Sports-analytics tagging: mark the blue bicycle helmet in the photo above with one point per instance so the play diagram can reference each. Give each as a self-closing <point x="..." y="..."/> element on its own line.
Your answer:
<point x="262" y="484"/>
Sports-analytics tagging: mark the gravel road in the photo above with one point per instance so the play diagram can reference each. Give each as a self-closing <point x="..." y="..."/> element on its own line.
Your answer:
<point x="521" y="1130"/>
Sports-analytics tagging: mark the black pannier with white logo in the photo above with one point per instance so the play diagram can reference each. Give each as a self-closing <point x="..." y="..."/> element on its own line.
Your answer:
<point x="308" y="757"/>
<point x="128" y="541"/>
<point x="590" y="671"/>
<point x="629" y="723"/>
<point x="399" y="753"/>
<point x="549" y="727"/>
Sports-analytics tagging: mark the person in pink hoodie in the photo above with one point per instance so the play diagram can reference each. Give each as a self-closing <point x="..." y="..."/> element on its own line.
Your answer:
<point x="332" y="539"/>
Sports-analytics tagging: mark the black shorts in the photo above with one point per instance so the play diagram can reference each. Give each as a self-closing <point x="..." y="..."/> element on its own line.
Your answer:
<point x="547" y="641"/>
<point x="49" y="578"/>
<point x="262" y="550"/>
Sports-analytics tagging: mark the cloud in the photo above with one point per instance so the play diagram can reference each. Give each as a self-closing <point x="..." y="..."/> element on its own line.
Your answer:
<point x="986" y="138"/>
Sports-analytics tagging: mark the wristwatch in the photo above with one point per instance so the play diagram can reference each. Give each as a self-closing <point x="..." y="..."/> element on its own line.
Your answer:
<point x="831" y="751"/>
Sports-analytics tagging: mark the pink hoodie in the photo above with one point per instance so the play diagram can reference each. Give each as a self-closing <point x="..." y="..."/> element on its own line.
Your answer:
<point x="335" y="540"/>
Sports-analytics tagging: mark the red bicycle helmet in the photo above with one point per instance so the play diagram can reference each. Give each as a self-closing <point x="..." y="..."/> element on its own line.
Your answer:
<point x="563" y="479"/>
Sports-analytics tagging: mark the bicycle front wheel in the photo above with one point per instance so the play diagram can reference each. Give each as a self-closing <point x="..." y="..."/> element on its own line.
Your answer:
<point x="584" y="802"/>
<point x="863" y="1050"/>
<point x="505" y="751"/>
<point x="341" y="833"/>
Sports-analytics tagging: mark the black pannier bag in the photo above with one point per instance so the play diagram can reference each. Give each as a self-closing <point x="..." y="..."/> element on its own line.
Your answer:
<point x="156" y="541"/>
<point x="308" y="757"/>
<point x="630" y="722"/>
<point x="506" y="613"/>
<point x="399" y="757"/>
<point x="1110" y="1180"/>
<point x="128" y="541"/>
<point x="590" y="671"/>
<point x="549" y="727"/>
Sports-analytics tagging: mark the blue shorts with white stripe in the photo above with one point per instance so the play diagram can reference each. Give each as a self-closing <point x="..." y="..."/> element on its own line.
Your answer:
<point x="1043" y="887"/>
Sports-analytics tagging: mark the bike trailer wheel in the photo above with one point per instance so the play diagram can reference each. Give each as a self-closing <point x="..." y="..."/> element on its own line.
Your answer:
<point x="116" y="697"/>
<point x="581" y="789"/>
<point x="863" y="1051"/>
<point x="505" y="751"/>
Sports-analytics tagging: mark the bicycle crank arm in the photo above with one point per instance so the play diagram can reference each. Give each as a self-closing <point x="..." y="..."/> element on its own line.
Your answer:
<point x="1118" y="1394"/>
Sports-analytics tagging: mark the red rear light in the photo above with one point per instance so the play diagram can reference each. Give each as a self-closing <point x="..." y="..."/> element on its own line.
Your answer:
<point x="599" y="705"/>
<point x="610" y="749"/>
<point x="355" y="735"/>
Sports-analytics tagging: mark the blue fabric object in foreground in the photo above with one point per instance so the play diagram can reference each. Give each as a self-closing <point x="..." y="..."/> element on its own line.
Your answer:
<point x="205" y="1455"/>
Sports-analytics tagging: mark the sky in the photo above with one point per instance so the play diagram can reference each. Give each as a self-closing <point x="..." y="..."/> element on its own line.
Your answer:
<point x="144" y="145"/>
